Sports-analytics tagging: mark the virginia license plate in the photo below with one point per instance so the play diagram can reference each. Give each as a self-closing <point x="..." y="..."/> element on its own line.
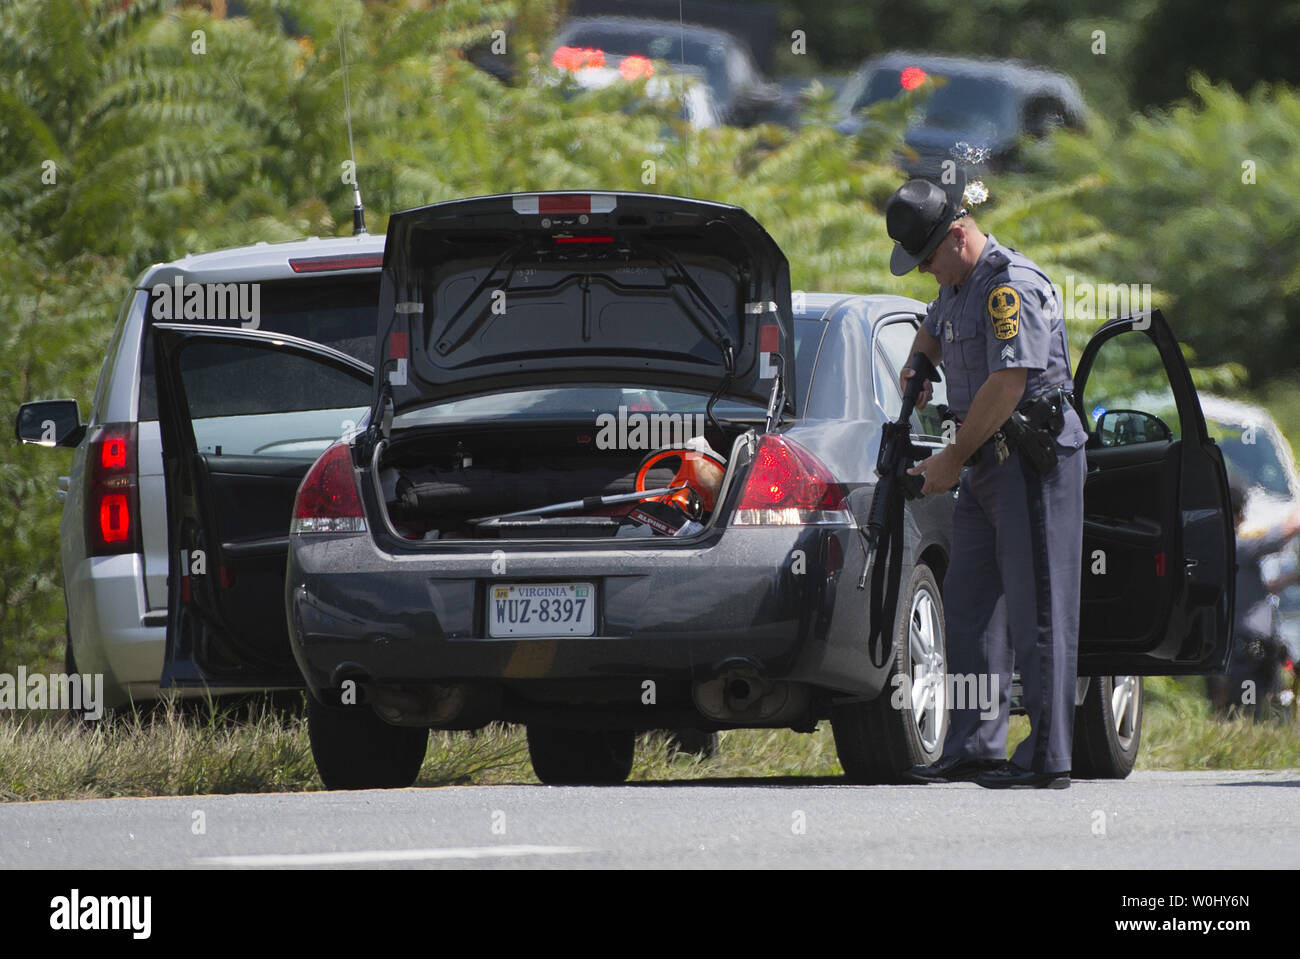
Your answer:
<point x="542" y="609"/>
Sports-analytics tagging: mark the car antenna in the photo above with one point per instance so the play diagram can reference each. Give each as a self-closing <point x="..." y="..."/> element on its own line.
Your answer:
<point x="358" y="211"/>
<point x="686" y="129"/>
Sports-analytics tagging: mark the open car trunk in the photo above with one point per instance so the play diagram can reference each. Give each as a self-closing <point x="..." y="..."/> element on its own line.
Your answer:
<point x="456" y="483"/>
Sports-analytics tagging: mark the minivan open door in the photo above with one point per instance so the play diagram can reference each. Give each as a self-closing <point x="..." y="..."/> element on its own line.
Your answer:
<point x="1158" y="542"/>
<point x="243" y="414"/>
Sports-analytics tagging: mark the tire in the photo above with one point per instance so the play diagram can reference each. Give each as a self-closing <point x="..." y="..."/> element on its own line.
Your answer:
<point x="695" y="742"/>
<point x="355" y="749"/>
<point x="878" y="742"/>
<point x="1108" y="728"/>
<point x="581" y="757"/>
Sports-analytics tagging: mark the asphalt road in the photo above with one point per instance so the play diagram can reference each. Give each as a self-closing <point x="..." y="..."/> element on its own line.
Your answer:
<point x="1168" y="820"/>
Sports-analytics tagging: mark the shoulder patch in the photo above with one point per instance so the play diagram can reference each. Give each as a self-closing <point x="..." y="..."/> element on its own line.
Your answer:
<point x="1004" y="311"/>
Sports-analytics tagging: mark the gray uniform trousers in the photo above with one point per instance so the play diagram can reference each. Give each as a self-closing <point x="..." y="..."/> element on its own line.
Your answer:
<point x="1011" y="599"/>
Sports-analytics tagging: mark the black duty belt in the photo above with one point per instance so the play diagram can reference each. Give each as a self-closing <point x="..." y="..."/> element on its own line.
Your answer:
<point x="1031" y="430"/>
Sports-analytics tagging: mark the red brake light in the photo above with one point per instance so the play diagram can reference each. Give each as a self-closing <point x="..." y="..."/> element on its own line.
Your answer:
<point x="788" y="485"/>
<point x="575" y="58"/>
<point x="342" y="261"/>
<point x="584" y="239"/>
<point x="911" y="77"/>
<point x="328" y="501"/>
<point x="633" y="67"/>
<point x="112" y="455"/>
<point x="562" y="204"/>
<point x="112" y="506"/>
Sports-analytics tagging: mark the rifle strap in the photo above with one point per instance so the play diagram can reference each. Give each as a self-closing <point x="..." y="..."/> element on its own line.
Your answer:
<point x="888" y="562"/>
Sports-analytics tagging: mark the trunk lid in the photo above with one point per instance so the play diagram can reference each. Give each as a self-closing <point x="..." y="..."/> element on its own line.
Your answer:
<point x="521" y="290"/>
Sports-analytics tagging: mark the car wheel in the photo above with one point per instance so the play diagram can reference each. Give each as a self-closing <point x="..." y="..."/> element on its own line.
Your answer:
<point x="355" y="749"/>
<point x="1108" y="728"/>
<point x="904" y="726"/>
<point x="581" y="757"/>
<point x="695" y="742"/>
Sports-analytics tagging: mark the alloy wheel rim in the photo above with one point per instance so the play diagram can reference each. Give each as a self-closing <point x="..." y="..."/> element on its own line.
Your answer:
<point x="926" y="667"/>
<point x="1123" y="708"/>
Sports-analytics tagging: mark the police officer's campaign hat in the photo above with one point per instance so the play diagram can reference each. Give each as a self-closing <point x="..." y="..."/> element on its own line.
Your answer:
<point x="917" y="217"/>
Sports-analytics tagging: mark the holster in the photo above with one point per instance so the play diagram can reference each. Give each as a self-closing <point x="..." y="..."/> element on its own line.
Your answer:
<point x="1036" y="444"/>
<point x="1032" y="429"/>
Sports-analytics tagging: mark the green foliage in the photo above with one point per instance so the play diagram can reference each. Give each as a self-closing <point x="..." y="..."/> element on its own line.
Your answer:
<point x="1172" y="190"/>
<point x="159" y="150"/>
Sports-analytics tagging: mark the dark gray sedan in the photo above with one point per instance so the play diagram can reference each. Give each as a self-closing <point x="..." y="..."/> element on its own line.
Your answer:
<point x="611" y="479"/>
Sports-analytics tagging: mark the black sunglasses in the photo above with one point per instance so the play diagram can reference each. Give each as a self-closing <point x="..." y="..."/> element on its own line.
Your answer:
<point x="929" y="259"/>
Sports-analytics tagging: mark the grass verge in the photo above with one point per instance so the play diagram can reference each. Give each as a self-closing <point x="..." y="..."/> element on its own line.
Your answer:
<point x="180" y="751"/>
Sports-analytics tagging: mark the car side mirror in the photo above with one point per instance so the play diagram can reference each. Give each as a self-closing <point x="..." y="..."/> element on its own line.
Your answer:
<point x="1128" y="427"/>
<point x="50" y="423"/>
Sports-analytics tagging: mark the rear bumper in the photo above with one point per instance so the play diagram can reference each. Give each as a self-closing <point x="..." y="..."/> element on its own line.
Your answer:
<point x="111" y="631"/>
<point x="779" y="597"/>
<point x="115" y="635"/>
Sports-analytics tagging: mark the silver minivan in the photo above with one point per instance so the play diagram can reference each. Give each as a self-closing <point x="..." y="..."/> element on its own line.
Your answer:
<point x="114" y="527"/>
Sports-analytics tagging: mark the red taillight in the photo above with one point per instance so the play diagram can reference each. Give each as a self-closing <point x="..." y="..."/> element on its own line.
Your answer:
<point x="114" y="518"/>
<point x="788" y="485"/>
<point x="112" y="493"/>
<point x="634" y="67"/>
<point x="584" y="239"/>
<point x="911" y="77"/>
<point x="328" y="501"/>
<point x="575" y="58"/>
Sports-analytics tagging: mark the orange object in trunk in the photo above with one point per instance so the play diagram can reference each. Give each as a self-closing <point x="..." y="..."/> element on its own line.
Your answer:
<point x="699" y="471"/>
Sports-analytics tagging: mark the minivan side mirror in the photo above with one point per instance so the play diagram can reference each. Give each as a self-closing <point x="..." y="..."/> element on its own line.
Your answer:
<point x="50" y="423"/>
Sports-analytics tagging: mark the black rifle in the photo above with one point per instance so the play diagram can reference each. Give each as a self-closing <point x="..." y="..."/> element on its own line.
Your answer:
<point x="884" y="530"/>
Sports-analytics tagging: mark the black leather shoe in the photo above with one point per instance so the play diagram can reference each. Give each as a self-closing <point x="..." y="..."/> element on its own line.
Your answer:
<point x="949" y="769"/>
<point x="1010" y="776"/>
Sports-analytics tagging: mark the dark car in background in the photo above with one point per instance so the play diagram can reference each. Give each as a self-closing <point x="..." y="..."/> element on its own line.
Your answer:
<point x="723" y="61"/>
<point x="988" y="104"/>
<point x="424" y="590"/>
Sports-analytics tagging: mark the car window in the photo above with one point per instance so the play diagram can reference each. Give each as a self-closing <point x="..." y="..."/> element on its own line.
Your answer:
<point x="337" y="311"/>
<point x="808" y="336"/>
<point x="110" y="363"/>
<point x="961" y="104"/>
<point x="258" y="400"/>
<point x="887" y="395"/>
<point x="1043" y="114"/>
<point x="1128" y="380"/>
<point x="579" y="402"/>
<point x="708" y="54"/>
<point x="894" y="340"/>
<point x="572" y="403"/>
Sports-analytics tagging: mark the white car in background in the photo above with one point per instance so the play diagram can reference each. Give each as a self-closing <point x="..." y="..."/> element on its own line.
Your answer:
<point x="1258" y="452"/>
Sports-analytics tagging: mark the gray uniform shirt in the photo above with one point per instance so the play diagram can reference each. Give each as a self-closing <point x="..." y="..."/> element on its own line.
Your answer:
<point x="1005" y="315"/>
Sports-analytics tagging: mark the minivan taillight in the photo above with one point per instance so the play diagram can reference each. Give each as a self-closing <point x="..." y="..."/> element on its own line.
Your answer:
<point x="112" y="491"/>
<point x="788" y="486"/>
<point x="328" y="500"/>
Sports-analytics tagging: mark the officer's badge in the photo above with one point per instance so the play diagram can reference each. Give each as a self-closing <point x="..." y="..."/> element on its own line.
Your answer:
<point x="1004" y="310"/>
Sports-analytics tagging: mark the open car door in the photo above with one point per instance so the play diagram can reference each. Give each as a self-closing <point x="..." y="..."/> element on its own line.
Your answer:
<point x="1158" y="542"/>
<point x="243" y="415"/>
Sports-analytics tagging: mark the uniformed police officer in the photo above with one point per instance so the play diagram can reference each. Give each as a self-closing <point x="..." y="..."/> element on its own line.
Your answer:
<point x="1011" y="593"/>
